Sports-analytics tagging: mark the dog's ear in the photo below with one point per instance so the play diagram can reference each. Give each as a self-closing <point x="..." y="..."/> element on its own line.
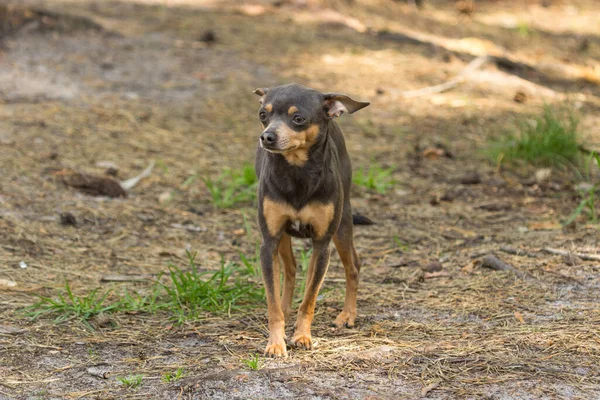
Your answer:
<point x="261" y="92"/>
<point x="336" y="104"/>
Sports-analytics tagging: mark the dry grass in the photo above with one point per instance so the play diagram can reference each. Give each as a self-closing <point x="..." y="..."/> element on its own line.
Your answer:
<point x="160" y="94"/>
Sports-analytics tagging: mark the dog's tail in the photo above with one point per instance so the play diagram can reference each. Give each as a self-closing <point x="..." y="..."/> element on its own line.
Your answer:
<point x="358" y="219"/>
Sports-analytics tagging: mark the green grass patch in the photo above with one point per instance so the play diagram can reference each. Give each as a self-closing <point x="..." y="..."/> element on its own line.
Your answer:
<point x="587" y="205"/>
<point x="68" y="306"/>
<point x="173" y="376"/>
<point x="304" y="260"/>
<point x="253" y="362"/>
<point x="184" y="293"/>
<point x="232" y="187"/>
<point x="551" y="140"/>
<point x="374" y="178"/>
<point x="131" y="381"/>
<point x="191" y="292"/>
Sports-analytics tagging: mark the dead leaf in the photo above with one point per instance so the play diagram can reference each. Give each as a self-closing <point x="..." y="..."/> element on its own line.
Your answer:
<point x="7" y="284"/>
<point x="519" y="317"/>
<point x="544" y="226"/>
<point x="438" y="274"/>
<point x="239" y="232"/>
<point x="469" y="267"/>
<point x="433" y="153"/>
<point x="92" y="185"/>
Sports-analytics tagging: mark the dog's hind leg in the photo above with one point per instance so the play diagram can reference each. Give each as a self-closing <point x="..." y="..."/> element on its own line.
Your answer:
<point x="345" y="247"/>
<point x="286" y="255"/>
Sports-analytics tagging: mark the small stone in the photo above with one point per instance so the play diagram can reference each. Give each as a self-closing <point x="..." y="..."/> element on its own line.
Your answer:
<point x="67" y="219"/>
<point x="164" y="197"/>
<point x="470" y="178"/>
<point x="542" y="174"/>
<point x="432" y="267"/>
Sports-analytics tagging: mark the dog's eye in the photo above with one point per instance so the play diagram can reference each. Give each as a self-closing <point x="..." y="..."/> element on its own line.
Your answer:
<point x="298" y="119"/>
<point x="263" y="116"/>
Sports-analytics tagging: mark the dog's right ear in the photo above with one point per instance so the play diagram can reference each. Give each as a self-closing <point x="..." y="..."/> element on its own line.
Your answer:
<point x="261" y="92"/>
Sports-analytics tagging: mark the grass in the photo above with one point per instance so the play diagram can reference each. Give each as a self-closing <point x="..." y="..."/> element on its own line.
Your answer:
<point x="304" y="262"/>
<point x="192" y="291"/>
<point x="69" y="306"/>
<point x="253" y="362"/>
<point x="403" y="247"/>
<point x="374" y="178"/>
<point x="552" y="140"/>
<point x="524" y="30"/>
<point x="173" y="376"/>
<point x="185" y="295"/>
<point x="131" y="381"/>
<point x="587" y="204"/>
<point x="232" y="187"/>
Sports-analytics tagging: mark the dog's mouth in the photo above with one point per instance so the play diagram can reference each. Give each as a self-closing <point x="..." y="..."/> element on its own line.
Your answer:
<point x="275" y="149"/>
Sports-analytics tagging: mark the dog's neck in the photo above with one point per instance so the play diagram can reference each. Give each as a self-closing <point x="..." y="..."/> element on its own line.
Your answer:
<point x="300" y="183"/>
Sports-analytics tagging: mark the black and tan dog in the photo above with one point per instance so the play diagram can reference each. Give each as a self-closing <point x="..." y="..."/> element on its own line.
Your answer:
<point x="304" y="191"/>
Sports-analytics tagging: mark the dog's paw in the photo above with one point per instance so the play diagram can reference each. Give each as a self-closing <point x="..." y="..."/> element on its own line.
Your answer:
<point x="301" y="340"/>
<point x="346" y="319"/>
<point x="276" y="348"/>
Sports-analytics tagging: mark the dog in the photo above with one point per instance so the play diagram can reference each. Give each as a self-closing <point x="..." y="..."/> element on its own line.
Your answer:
<point x="304" y="176"/>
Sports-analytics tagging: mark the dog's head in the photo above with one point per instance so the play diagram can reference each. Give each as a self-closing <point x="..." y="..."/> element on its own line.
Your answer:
<point x="293" y="114"/>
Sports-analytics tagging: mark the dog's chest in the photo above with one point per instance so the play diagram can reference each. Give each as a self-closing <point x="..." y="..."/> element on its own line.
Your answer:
<point x="279" y="216"/>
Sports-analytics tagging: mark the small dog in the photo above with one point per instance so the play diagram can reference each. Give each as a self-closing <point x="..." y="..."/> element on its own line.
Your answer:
<point x="304" y="176"/>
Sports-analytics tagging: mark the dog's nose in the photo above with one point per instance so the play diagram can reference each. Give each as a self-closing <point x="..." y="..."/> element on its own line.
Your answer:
<point x="268" y="138"/>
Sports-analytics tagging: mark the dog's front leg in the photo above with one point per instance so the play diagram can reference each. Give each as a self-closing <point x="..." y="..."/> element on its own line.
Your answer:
<point x="314" y="278"/>
<point x="270" y="270"/>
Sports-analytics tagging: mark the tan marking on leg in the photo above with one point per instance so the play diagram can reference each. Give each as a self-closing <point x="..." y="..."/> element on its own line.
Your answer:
<point x="276" y="345"/>
<point x="289" y="273"/>
<point x="318" y="215"/>
<point x="269" y="107"/>
<point x="292" y="110"/>
<point x="350" y="260"/>
<point x="276" y="215"/>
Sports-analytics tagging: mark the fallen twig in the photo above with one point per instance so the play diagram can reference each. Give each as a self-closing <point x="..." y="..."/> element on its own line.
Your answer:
<point x="451" y="83"/>
<point x="100" y="371"/>
<point x="492" y="262"/>
<point x="131" y="182"/>
<point x="517" y="252"/>
<point x="583" y="256"/>
<point x="125" y="278"/>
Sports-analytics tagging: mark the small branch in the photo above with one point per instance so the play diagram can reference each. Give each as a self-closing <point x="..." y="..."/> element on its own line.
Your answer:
<point x="583" y="256"/>
<point x="130" y="183"/>
<point x="451" y="83"/>
<point x="517" y="252"/>
<point x="492" y="262"/>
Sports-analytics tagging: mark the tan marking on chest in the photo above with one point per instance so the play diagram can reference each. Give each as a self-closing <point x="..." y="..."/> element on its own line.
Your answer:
<point x="316" y="214"/>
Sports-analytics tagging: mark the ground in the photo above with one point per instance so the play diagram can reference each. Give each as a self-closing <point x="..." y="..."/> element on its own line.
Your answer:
<point x="89" y="84"/>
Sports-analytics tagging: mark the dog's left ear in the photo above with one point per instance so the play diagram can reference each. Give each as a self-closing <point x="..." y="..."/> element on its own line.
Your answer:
<point x="336" y="104"/>
<point x="261" y="92"/>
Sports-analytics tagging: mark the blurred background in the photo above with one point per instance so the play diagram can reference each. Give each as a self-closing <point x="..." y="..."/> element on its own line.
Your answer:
<point x="127" y="135"/>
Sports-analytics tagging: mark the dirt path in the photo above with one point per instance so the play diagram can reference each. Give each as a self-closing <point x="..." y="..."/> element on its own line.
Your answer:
<point x="90" y="84"/>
